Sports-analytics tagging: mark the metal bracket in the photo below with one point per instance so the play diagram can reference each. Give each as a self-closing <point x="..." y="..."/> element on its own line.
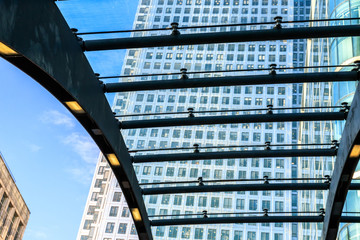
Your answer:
<point x="272" y="69"/>
<point x="267" y="146"/>
<point x="266" y="180"/>
<point x="175" y="30"/>
<point x="191" y="112"/>
<point x="201" y="183"/>
<point x="205" y="214"/>
<point x="328" y="179"/>
<point x="278" y="21"/>
<point x="183" y="74"/>
<point x="266" y="211"/>
<point x="196" y="146"/>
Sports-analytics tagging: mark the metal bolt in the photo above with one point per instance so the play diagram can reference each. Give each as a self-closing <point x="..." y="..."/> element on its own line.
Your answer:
<point x="205" y="214"/>
<point x="191" y="112"/>
<point x="266" y="180"/>
<point x="345" y="107"/>
<point x="272" y="69"/>
<point x="357" y="68"/>
<point x="328" y="179"/>
<point x="270" y="107"/>
<point x="266" y="211"/>
<point x="201" y="183"/>
<point x="196" y="146"/>
<point x="278" y="21"/>
<point x="175" y="30"/>
<point x="334" y="144"/>
<point x="183" y="73"/>
<point x="74" y="30"/>
<point x="322" y="212"/>
<point x="267" y="146"/>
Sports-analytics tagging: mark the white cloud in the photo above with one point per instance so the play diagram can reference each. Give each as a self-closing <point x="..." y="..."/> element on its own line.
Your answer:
<point x="88" y="152"/>
<point x="36" y="234"/>
<point x="34" y="148"/>
<point x="57" y="118"/>
<point x="83" y="146"/>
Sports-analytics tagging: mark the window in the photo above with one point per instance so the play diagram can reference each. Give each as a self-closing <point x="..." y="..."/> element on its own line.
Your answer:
<point x="170" y="171"/>
<point x="199" y="232"/>
<point x="122" y="228"/>
<point x="240" y="204"/>
<point x="227" y="203"/>
<point x="215" y="202"/>
<point x="173" y="232"/>
<point x="165" y="199"/>
<point x="160" y="231"/>
<point x="177" y="199"/>
<point x="190" y="200"/>
<point x="117" y="197"/>
<point x="113" y="211"/>
<point x="225" y="234"/>
<point x="125" y="212"/>
<point x="158" y="171"/>
<point x="211" y="234"/>
<point x="252" y="204"/>
<point x="185" y="232"/>
<point x="202" y="201"/>
<point x="109" y="227"/>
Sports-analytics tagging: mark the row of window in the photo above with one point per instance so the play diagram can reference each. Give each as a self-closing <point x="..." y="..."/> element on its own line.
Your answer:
<point x="215" y="10"/>
<point x="209" y="57"/>
<point x="215" y="2"/>
<point x="198" y="233"/>
<point x="214" y="203"/>
<point x="199" y="134"/>
<point x="210" y="100"/>
<point x="216" y="19"/>
<point x="217" y="173"/>
<point x="224" y="90"/>
<point x="153" y="144"/>
<point x="110" y="226"/>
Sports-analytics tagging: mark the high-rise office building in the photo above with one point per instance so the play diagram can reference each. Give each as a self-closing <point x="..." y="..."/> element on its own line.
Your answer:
<point x="324" y="52"/>
<point x="14" y="214"/>
<point x="106" y="215"/>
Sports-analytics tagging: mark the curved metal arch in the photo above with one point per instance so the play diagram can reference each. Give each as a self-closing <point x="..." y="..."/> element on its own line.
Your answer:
<point x="346" y="161"/>
<point x="47" y="51"/>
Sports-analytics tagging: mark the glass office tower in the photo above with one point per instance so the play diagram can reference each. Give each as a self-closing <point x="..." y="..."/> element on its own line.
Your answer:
<point x="322" y="52"/>
<point x="106" y="215"/>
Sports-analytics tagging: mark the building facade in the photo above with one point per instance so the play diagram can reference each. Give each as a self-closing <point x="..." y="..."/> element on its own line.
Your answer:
<point x="14" y="214"/>
<point x="106" y="216"/>
<point x="323" y="52"/>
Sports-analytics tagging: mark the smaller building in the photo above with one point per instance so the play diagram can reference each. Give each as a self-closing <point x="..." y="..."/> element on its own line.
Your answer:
<point x="14" y="214"/>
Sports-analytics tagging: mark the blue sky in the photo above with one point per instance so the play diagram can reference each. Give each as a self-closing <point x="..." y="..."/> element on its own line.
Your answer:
<point x="50" y="155"/>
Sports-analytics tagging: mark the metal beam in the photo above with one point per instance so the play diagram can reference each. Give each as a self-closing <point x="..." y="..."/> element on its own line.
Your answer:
<point x="346" y="161"/>
<point x="228" y="220"/>
<point x="235" y="188"/>
<point x="350" y="219"/>
<point x="234" y="154"/>
<point x="50" y="53"/>
<point x="231" y="81"/>
<point x="222" y="37"/>
<point x="254" y="118"/>
<point x="247" y="219"/>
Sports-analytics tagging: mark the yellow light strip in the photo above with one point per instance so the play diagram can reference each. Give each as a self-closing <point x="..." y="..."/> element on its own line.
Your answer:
<point x="355" y="152"/>
<point x="113" y="159"/>
<point x="75" y="107"/>
<point x="136" y="214"/>
<point x="5" y="50"/>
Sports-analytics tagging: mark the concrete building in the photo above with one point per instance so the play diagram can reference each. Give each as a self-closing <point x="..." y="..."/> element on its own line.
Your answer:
<point x="14" y="214"/>
<point x="106" y="215"/>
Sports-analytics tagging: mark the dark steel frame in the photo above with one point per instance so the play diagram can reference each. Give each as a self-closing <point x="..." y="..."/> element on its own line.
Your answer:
<point x="51" y="54"/>
<point x="232" y="81"/>
<point x="234" y="154"/>
<point x="222" y="37"/>
<point x="249" y="118"/>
